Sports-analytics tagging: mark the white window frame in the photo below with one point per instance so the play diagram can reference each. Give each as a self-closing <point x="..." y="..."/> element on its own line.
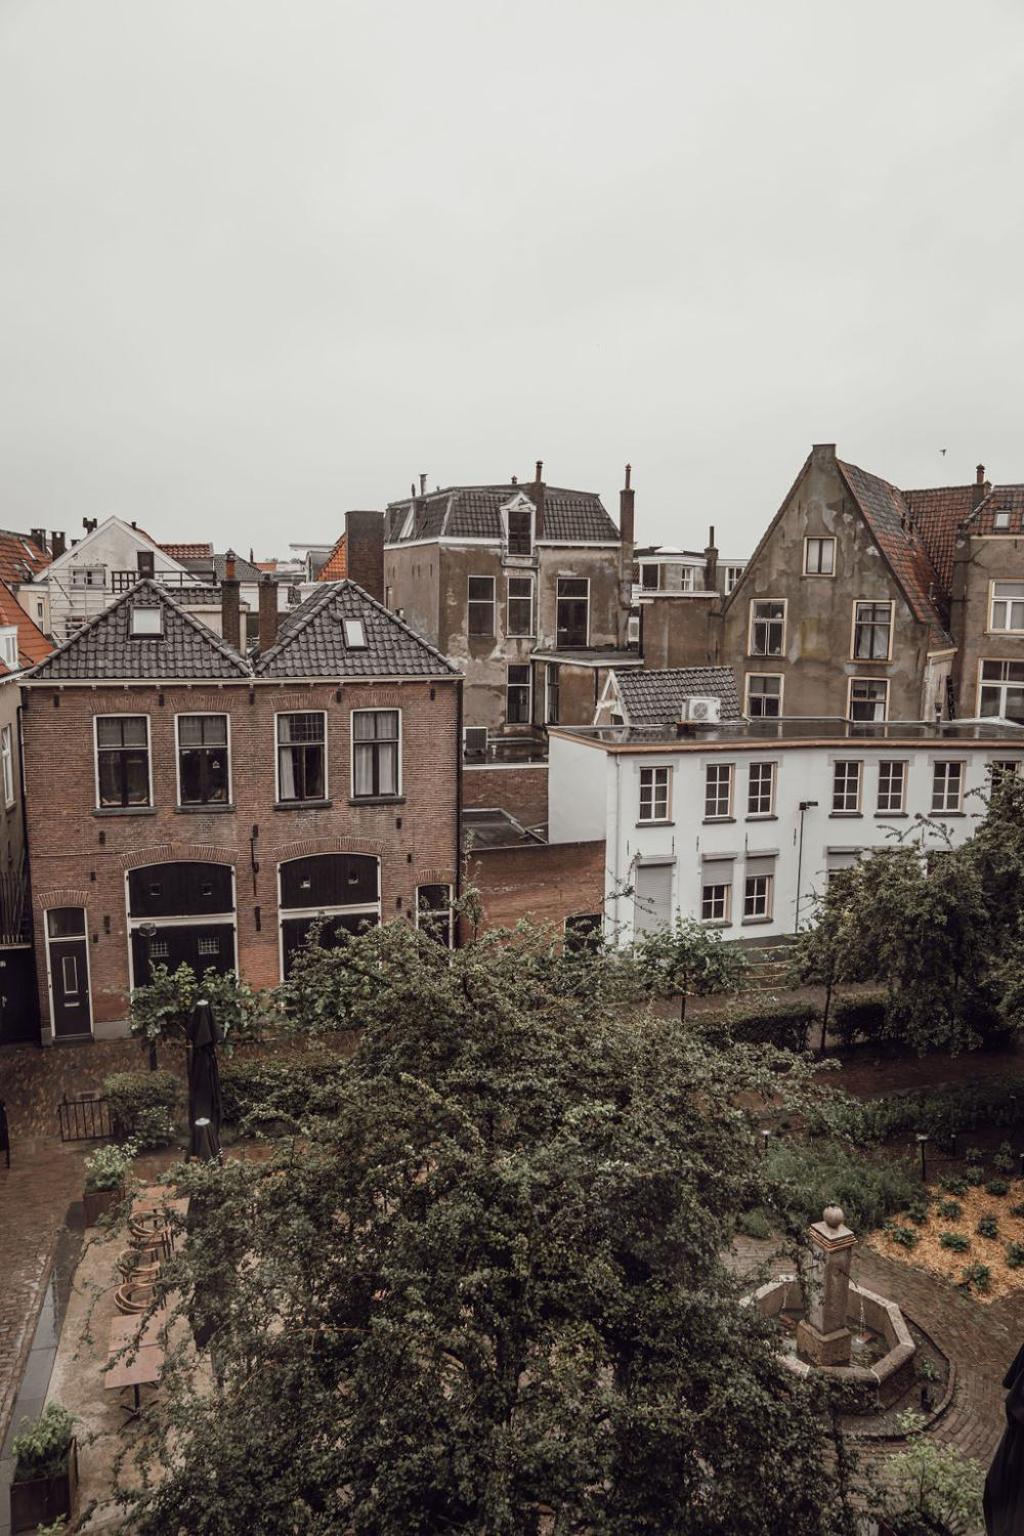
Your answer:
<point x="756" y="602"/>
<point x="892" y="810"/>
<point x="847" y="762"/>
<point x="732" y="574"/>
<point x="1001" y="521"/>
<point x="374" y="799"/>
<point x="820" y="540"/>
<point x="872" y="602"/>
<point x="451" y="914"/>
<point x="654" y="770"/>
<point x="773" y="773"/>
<point x="520" y="634"/>
<point x="1001" y="684"/>
<point x="746" y="694"/>
<point x="81" y="576"/>
<point x="519" y="504"/>
<point x="941" y="777"/>
<point x="568" y="576"/>
<point x="528" y="685"/>
<point x="1010" y="602"/>
<point x="767" y="897"/>
<point x="476" y="602"/>
<point x="730" y="773"/>
<point x="687" y="579"/>
<point x="7" y="762"/>
<point x="358" y="909"/>
<point x="189" y="714"/>
<point x="716" y="885"/>
<point x="124" y="714"/>
<point x="851" y="683"/>
<point x="278" y="713"/>
<point x="648" y="565"/>
<point x="9" y="646"/>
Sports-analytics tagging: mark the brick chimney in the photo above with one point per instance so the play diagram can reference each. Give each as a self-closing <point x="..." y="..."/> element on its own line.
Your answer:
<point x="58" y="545"/>
<point x="536" y="494"/>
<point x="364" y="551"/>
<point x="38" y="536"/>
<point x="711" y="563"/>
<point x="980" y="488"/>
<point x="627" y="524"/>
<point x="268" y="612"/>
<point x="230" y="610"/>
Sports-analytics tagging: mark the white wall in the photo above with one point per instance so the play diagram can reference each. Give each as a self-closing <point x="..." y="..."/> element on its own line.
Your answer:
<point x="577" y="793"/>
<point x="114" y="546"/>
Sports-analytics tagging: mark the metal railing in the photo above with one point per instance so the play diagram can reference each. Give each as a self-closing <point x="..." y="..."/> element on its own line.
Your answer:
<point x="84" y="1119"/>
<point x="15" y="909"/>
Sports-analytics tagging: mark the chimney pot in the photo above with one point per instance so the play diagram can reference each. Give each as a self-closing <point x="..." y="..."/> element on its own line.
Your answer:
<point x="629" y="473"/>
<point x="539" y="476"/>
<point x="229" y="565"/>
<point x="268" y="612"/>
<point x="423" y="485"/>
<point x="57" y="545"/>
<point x="981" y="474"/>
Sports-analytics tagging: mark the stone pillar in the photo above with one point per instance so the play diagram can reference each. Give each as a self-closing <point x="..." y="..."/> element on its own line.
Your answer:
<point x="822" y="1335"/>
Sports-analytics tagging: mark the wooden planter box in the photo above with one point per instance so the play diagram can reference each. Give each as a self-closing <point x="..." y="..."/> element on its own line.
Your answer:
<point x="41" y="1500"/>
<point x="98" y="1202"/>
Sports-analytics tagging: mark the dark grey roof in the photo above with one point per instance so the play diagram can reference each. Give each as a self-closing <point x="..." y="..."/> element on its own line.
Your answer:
<point x="656" y="698"/>
<point x="200" y="596"/>
<point x="311" y="640"/>
<point x="473" y="512"/>
<point x="244" y="569"/>
<point x="106" y="650"/>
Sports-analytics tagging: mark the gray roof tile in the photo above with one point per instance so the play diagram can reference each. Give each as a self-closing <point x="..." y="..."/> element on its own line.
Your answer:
<point x="656" y="698"/>
<point x="472" y="512"/>
<point x="311" y="641"/>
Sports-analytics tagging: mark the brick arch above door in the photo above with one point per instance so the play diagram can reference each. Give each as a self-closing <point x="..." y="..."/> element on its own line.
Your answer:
<point x="304" y="848"/>
<point x="178" y="853"/>
<point x="61" y="896"/>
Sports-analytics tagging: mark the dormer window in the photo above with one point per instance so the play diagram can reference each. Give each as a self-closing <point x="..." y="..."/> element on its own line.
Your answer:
<point x="147" y="623"/>
<point x="520" y="530"/>
<point x="355" y="635"/>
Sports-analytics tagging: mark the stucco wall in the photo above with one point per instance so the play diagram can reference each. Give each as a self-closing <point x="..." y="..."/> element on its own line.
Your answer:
<point x="981" y="561"/>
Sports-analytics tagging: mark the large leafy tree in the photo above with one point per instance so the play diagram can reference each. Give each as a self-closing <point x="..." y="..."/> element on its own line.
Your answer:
<point x="685" y="958"/>
<point x="481" y="1289"/>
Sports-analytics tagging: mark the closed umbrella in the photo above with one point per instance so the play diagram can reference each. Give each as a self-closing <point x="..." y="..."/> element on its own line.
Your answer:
<point x="204" y="1105"/>
<point x="1004" y="1486"/>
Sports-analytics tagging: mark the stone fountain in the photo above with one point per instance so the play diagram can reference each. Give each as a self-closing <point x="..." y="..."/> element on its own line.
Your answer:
<point x="840" y="1324"/>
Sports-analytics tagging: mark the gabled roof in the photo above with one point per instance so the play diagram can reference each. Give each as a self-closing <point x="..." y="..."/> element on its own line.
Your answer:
<point x="335" y="567"/>
<point x="73" y="554"/>
<point x="937" y="513"/>
<point x="33" y="646"/>
<point x="245" y="570"/>
<point x="473" y="512"/>
<point x="1001" y="498"/>
<point x="188" y="551"/>
<point x="105" y="650"/>
<point x="888" y="517"/>
<point x="21" y="557"/>
<point x="312" y="642"/>
<point x="656" y="698"/>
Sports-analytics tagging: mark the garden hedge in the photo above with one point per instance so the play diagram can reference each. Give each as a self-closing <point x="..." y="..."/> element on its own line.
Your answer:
<point x="860" y="1017"/>
<point x="144" y="1107"/>
<point x="267" y="1090"/>
<point x="786" y="1025"/>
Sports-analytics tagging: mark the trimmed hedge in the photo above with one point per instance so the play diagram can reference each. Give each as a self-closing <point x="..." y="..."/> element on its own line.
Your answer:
<point x="863" y="1017"/>
<point x="947" y="1112"/>
<point x="786" y="1025"/>
<point x="144" y="1107"/>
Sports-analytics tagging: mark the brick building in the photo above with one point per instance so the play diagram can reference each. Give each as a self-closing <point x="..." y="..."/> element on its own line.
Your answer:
<point x="187" y="802"/>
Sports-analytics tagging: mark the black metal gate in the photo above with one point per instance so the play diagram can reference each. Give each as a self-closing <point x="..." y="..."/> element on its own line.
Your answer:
<point x="84" y="1119"/>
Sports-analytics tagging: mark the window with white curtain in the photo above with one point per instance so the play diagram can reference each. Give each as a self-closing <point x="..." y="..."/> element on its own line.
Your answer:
<point x="376" y="766"/>
<point x="301" y="756"/>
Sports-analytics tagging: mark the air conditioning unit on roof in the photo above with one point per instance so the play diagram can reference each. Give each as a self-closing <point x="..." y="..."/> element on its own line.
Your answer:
<point x="474" y="739"/>
<point x="702" y="709"/>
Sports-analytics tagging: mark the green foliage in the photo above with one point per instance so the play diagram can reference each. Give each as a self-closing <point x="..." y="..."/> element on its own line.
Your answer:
<point x="861" y="1016"/>
<point x="823" y="954"/>
<point x="997" y="1187"/>
<point x="975" y="1177"/>
<point x="906" y="1237"/>
<point x="946" y="1112"/>
<point x="1018" y="1211"/>
<point x="956" y="1241"/>
<point x="974" y="1155"/>
<point x="988" y="1226"/>
<point x="257" y="1091"/>
<point x="144" y="1106"/>
<point x="1006" y="1159"/>
<point x="955" y="1185"/>
<point x="109" y="1167"/>
<point x="1015" y="1255"/>
<point x="950" y="1210"/>
<point x="685" y="959"/>
<point x="785" y="1025"/>
<point x="161" y="1009"/>
<point x="818" y="1172"/>
<point x="931" y="1487"/>
<point x="976" y="1277"/>
<point x="917" y="1210"/>
<point x="756" y="1223"/>
<point x="41" y="1449"/>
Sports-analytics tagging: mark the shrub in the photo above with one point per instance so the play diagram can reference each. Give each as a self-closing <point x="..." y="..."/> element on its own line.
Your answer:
<point x="950" y="1210"/>
<point x="953" y="1185"/>
<point x="109" y="1167"/>
<point x="906" y="1237"/>
<point x="754" y="1223"/>
<point x="822" y="1172"/>
<point x="1015" y="1255"/>
<point x="786" y="1025"/>
<point x="974" y="1155"/>
<point x="997" y="1187"/>
<point x="41" y="1449"/>
<point x="917" y="1211"/>
<point x="1005" y="1160"/>
<point x="863" y="1017"/>
<point x="262" y="1090"/>
<point x="975" y="1177"/>
<point x="976" y="1277"/>
<point x="144" y="1106"/>
<point x="946" y="1112"/>
<point x="954" y="1240"/>
<point x="1018" y="1211"/>
<point x="988" y="1226"/>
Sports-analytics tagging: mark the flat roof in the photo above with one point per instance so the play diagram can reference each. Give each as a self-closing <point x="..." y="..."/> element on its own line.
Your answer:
<point x="587" y="657"/>
<point x="496" y="828"/>
<point x="793" y="731"/>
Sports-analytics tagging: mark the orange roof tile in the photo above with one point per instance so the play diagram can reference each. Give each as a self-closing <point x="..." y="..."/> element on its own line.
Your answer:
<point x="20" y="557"/>
<point x="186" y="551"/>
<point x="335" y="567"/>
<point x="33" y="645"/>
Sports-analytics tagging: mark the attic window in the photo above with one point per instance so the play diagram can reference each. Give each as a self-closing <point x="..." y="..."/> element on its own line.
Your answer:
<point x="147" y="622"/>
<point x="355" y="635"/>
<point x="9" y="646"/>
<point x="1001" y="522"/>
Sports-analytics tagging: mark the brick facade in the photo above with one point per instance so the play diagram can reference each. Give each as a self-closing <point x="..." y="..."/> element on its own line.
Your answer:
<point x="521" y="790"/>
<point x="545" y="882"/>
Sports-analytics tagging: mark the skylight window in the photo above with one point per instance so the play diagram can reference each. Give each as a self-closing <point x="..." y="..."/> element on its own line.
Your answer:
<point x="147" y="622"/>
<point x="1002" y="522"/>
<point x="355" y="635"/>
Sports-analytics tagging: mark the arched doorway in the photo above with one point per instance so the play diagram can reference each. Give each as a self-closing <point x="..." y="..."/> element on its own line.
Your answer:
<point x="341" y="888"/>
<point x="181" y="913"/>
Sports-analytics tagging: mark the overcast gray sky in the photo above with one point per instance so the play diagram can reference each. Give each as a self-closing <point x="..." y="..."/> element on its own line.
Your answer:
<point x="263" y="260"/>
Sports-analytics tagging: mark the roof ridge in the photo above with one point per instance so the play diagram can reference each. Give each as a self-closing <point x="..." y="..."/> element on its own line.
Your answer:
<point x="394" y="619"/>
<point x="298" y="621"/>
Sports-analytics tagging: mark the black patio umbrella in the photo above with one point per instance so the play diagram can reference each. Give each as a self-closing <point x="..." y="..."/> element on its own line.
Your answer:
<point x="204" y="1105"/>
<point x="1004" y="1486"/>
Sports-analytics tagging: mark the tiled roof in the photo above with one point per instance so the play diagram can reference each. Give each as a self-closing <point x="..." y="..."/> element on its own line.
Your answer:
<point x="888" y="516"/>
<point x="33" y="645"/>
<point x="937" y="514"/>
<point x="202" y="595"/>
<point x="20" y="557"/>
<point x="245" y="570"/>
<point x="188" y="551"/>
<point x="335" y="567"/>
<point x="105" y="649"/>
<point x="656" y="698"/>
<point x="473" y="512"/>
<point x="1001" y="498"/>
<point x="311" y="641"/>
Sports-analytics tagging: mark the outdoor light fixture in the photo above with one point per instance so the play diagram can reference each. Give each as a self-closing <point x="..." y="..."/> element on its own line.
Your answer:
<point x="922" y="1141"/>
<point x="765" y="1138"/>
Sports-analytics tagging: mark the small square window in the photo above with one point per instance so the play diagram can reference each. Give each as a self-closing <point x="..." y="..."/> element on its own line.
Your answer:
<point x="355" y="635"/>
<point x="1001" y="522"/>
<point x="819" y="557"/>
<point x="147" y="622"/>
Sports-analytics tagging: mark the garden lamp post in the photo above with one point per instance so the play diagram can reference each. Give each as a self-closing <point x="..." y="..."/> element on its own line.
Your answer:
<point x="147" y="932"/>
<point x="922" y="1141"/>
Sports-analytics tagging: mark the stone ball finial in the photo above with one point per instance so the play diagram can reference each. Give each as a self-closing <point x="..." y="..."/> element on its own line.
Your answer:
<point x="833" y="1217"/>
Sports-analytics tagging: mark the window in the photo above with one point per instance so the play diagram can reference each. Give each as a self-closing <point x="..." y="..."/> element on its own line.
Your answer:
<point x="654" y="794"/>
<point x="9" y="646"/>
<point x="869" y="698"/>
<point x="892" y="788"/>
<point x="89" y="576"/>
<point x="551" y="693"/>
<point x="376" y="764"/>
<point x="520" y="531"/>
<point x="1001" y="522"/>
<point x="757" y="896"/>
<point x="947" y="786"/>
<point x="517" y="695"/>
<point x="767" y="627"/>
<point x="481" y="605"/>
<point x="1005" y="768"/>
<point x="872" y="631"/>
<point x="846" y="788"/>
<point x="203" y="760"/>
<point x="572" y="611"/>
<point x="715" y="901"/>
<point x="355" y="635"/>
<point x="731" y="576"/>
<point x="434" y="913"/>
<point x="520" y="605"/>
<point x="301" y="759"/>
<point x="761" y="789"/>
<point x="147" y="622"/>
<point x="764" y="696"/>
<point x="1007" y="606"/>
<point x="717" y="790"/>
<point x="122" y="760"/>
<point x="1001" y="691"/>
<point x="819" y="557"/>
<point x="7" y="764"/>
<point x="650" y="577"/>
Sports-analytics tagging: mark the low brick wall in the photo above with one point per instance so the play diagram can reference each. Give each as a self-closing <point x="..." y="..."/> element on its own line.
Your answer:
<point x="521" y="789"/>
<point x="545" y="882"/>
